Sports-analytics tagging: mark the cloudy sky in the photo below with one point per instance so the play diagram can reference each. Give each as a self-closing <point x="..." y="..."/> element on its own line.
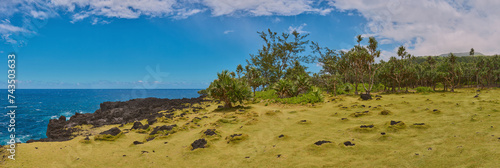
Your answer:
<point x="183" y="44"/>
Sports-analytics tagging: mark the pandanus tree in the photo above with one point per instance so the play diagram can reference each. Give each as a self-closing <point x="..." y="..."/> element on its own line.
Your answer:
<point x="369" y="66"/>
<point x="228" y="89"/>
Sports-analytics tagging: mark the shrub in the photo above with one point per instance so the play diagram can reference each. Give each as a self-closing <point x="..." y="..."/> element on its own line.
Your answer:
<point x="228" y="89"/>
<point x="424" y="89"/>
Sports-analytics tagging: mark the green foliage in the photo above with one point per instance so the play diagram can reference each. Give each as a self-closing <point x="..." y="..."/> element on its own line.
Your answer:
<point x="203" y="92"/>
<point x="286" y="88"/>
<point x="313" y="96"/>
<point x="228" y="89"/>
<point x="422" y="89"/>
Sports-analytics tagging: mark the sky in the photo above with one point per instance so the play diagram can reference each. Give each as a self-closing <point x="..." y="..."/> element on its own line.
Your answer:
<point x="169" y="44"/>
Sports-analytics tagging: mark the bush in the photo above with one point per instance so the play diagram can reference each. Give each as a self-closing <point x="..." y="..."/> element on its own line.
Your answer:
<point x="315" y="95"/>
<point x="228" y="89"/>
<point x="424" y="90"/>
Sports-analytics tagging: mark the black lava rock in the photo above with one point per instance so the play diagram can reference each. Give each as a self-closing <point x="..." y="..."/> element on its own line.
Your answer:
<point x="137" y="125"/>
<point x="348" y="143"/>
<point x="210" y="132"/>
<point x="321" y="142"/>
<point x="162" y="128"/>
<point x="200" y="143"/>
<point x="395" y="122"/>
<point x="137" y="142"/>
<point x="366" y="96"/>
<point x="366" y="126"/>
<point x="113" y="131"/>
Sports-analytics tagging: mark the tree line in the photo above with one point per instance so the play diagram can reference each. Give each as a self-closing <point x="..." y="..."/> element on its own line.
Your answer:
<point x="279" y="66"/>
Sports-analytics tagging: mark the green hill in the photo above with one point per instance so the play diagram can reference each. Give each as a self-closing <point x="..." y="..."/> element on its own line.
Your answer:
<point x="462" y="54"/>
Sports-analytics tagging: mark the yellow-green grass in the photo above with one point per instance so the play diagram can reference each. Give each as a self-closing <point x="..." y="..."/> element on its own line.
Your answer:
<point x="464" y="132"/>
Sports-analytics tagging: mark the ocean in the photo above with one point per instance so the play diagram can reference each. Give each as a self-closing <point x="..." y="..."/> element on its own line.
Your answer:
<point x="37" y="106"/>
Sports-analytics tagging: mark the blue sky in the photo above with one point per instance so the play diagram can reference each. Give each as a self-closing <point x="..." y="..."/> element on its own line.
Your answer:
<point x="170" y="44"/>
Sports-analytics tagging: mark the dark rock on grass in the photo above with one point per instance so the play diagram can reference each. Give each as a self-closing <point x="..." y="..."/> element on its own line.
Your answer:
<point x="303" y="120"/>
<point x="359" y="114"/>
<point x="366" y="126"/>
<point x="113" y="131"/>
<point x="137" y="125"/>
<point x="385" y="112"/>
<point x="378" y="96"/>
<point x="137" y="142"/>
<point x="152" y="121"/>
<point x="235" y="135"/>
<point x="150" y="139"/>
<point x="395" y="122"/>
<point x="348" y="143"/>
<point x="281" y="136"/>
<point x="382" y="133"/>
<point x="435" y="110"/>
<point x="321" y="142"/>
<point x="200" y="143"/>
<point x="145" y="126"/>
<point x="363" y="105"/>
<point x="87" y="138"/>
<point x="279" y="155"/>
<point x="344" y="119"/>
<point x="220" y="106"/>
<point x="162" y="128"/>
<point x="366" y="96"/>
<point x="210" y="132"/>
<point x="476" y="96"/>
<point x="419" y="124"/>
<point x="377" y="99"/>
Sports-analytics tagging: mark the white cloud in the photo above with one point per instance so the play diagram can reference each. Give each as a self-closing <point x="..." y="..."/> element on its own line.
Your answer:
<point x="431" y="27"/>
<point x="298" y="29"/>
<point x="228" y="31"/>
<point x="263" y="7"/>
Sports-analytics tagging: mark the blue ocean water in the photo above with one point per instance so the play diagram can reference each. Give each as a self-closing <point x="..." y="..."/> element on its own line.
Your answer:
<point x="37" y="106"/>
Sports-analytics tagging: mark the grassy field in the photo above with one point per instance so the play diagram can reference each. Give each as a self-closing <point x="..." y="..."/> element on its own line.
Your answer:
<point x="458" y="131"/>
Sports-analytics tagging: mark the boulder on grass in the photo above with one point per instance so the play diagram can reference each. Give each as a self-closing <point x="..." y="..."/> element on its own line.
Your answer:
<point x="366" y="96"/>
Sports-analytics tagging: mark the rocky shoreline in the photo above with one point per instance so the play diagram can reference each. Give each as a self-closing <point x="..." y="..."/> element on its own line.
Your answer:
<point x="117" y="113"/>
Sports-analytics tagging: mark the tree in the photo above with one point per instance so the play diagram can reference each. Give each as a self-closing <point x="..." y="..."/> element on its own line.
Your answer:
<point x="253" y="78"/>
<point x="471" y="53"/>
<point x="228" y="89"/>
<point x="239" y="70"/>
<point x="368" y="61"/>
<point x="278" y="54"/>
<point x="331" y="68"/>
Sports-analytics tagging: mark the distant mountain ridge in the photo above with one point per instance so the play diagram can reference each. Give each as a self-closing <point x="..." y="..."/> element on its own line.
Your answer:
<point x="463" y="54"/>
